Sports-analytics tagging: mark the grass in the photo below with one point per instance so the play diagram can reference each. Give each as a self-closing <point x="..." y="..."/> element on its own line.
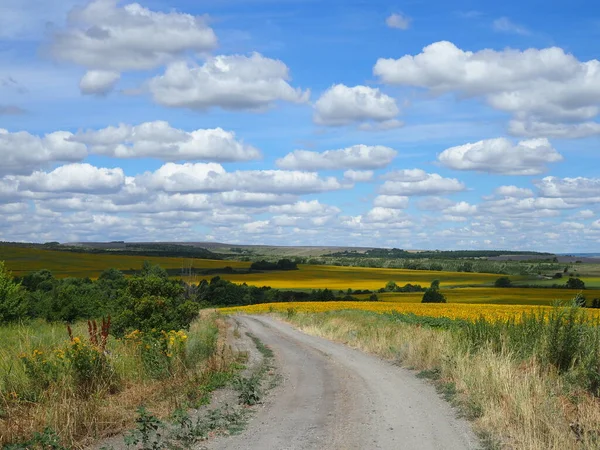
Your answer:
<point x="43" y="376"/>
<point x="515" y="399"/>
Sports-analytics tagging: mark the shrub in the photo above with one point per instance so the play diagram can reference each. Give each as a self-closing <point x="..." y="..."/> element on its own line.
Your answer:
<point x="433" y="296"/>
<point x="503" y="282"/>
<point x="575" y="283"/>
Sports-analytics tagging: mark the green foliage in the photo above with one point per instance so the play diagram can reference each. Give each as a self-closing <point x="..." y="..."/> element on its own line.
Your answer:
<point x="13" y="303"/>
<point x="503" y="282"/>
<point x="46" y="440"/>
<point x="433" y="294"/>
<point x="249" y="389"/>
<point x="575" y="283"/>
<point x="282" y="264"/>
<point x="148" y="433"/>
<point x="92" y="371"/>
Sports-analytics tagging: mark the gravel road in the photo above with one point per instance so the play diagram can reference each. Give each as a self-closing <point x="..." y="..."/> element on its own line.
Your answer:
<point x="335" y="397"/>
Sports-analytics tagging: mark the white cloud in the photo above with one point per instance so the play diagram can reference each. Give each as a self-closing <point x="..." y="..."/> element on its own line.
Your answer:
<point x="513" y="191"/>
<point x="306" y="208"/>
<point x="586" y="214"/>
<point x="575" y="188"/>
<point x="391" y="201"/>
<point x="355" y="157"/>
<point x="159" y="140"/>
<point x="23" y="152"/>
<point x="343" y="105"/>
<point x="535" y="85"/>
<point x="254" y="199"/>
<point x="99" y="82"/>
<point x="212" y="177"/>
<point x="418" y="182"/>
<point x="461" y="209"/>
<point x="398" y="21"/>
<point x="501" y="156"/>
<point x="534" y="128"/>
<point x="505" y="25"/>
<point x="358" y="176"/>
<point x="74" y="178"/>
<point x="233" y="82"/>
<point x="102" y="36"/>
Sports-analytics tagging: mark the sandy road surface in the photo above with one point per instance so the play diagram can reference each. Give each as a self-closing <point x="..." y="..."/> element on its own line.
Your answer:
<point x="334" y="397"/>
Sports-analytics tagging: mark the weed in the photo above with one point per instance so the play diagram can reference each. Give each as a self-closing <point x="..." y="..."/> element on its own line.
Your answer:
<point x="148" y="431"/>
<point x="249" y="389"/>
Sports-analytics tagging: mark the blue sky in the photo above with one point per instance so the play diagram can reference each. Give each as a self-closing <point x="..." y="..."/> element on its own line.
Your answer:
<point x="412" y="125"/>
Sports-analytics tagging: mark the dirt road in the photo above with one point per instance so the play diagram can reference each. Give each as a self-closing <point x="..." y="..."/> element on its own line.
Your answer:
<point x="334" y="397"/>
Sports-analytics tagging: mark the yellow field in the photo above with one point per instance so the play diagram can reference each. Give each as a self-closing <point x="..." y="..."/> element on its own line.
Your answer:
<point x="504" y="296"/>
<point x="336" y="277"/>
<point x="22" y="260"/>
<point x="449" y="310"/>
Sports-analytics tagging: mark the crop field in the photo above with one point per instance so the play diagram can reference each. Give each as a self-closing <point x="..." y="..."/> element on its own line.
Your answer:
<point x="21" y="260"/>
<point x="336" y="277"/>
<point x="500" y="296"/>
<point x="449" y="310"/>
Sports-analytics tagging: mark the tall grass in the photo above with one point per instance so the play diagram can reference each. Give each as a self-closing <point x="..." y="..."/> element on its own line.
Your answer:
<point x="527" y="383"/>
<point x="83" y="394"/>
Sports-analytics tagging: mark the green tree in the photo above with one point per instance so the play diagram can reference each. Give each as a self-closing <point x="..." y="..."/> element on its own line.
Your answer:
<point x="391" y="286"/>
<point x="575" y="283"/>
<point x="503" y="282"/>
<point x="433" y="294"/>
<point x="13" y="302"/>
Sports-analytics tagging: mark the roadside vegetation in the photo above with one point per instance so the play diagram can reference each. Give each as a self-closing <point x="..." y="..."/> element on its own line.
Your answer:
<point x="532" y="381"/>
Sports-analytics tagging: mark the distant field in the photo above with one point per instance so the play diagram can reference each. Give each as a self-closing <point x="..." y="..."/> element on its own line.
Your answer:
<point x="449" y="310"/>
<point x="336" y="277"/>
<point x="491" y="295"/>
<point x="21" y="260"/>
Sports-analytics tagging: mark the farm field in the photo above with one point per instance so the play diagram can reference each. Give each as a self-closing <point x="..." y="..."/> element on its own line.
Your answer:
<point x="336" y="277"/>
<point x="22" y="260"/>
<point x="449" y="310"/>
<point x="501" y="296"/>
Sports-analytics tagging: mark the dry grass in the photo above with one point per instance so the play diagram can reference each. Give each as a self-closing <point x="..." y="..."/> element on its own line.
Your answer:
<point x="81" y="421"/>
<point x="516" y="405"/>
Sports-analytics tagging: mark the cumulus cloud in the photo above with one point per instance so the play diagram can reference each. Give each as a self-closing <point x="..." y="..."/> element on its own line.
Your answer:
<point x="535" y="85"/>
<point x="534" y="128"/>
<point x="355" y="157"/>
<point x="398" y="21"/>
<point x="575" y="188"/>
<point x="98" y="82"/>
<point x="74" y="178"/>
<point x="501" y="156"/>
<point x="212" y="177"/>
<point x="513" y="191"/>
<point x="159" y="140"/>
<point x="233" y="82"/>
<point x="343" y="105"/>
<point x="23" y="152"/>
<point x="107" y="38"/>
<point x="306" y="208"/>
<point x="391" y="201"/>
<point x="418" y="182"/>
<point x="358" y="176"/>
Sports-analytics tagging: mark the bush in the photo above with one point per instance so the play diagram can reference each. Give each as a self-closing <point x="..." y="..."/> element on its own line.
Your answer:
<point x="13" y="303"/>
<point x="433" y="296"/>
<point x="575" y="283"/>
<point x="503" y="282"/>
